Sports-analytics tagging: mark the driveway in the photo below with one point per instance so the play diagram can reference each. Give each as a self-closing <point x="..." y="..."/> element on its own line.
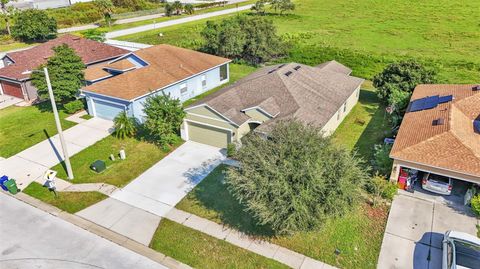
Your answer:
<point x="7" y="100"/>
<point x="415" y="228"/>
<point x="154" y="193"/>
<point x="31" y="238"/>
<point x="32" y="163"/>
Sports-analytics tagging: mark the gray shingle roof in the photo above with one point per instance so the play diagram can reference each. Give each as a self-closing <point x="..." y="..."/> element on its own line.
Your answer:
<point x="310" y="94"/>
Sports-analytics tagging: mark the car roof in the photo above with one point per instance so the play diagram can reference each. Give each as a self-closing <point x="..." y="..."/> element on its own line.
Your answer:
<point x="464" y="236"/>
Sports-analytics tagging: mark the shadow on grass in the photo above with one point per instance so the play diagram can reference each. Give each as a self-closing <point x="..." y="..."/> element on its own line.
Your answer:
<point x="212" y="194"/>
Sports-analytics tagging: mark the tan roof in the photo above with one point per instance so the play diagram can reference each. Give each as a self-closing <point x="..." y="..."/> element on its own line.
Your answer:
<point x="121" y="65"/>
<point x="96" y="72"/>
<point x="166" y="65"/>
<point x="26" y="60"/>
<point x="311" y="94"/>
<point x="453" y="145"/>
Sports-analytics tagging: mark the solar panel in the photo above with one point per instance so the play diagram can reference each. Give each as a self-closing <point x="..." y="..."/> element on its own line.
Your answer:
<point x="431" y="102"/>
<point x="445" y="99"/>
<point x="417" y="105"/>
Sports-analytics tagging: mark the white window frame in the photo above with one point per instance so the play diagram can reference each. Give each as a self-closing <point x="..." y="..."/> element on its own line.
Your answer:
<point x="338" y="115"/>
<point x="345" y="107"/>
<point x="183" y="88"/>
<point x="204" y="81"/>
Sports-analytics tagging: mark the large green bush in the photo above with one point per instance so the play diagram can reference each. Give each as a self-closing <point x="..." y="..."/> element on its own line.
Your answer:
<point x="34" y="25"/>
<point x="73" y="106"/>
<point x="295" y="179"/>
<point x="79" y="13"/>
<point x="380" y="187"/>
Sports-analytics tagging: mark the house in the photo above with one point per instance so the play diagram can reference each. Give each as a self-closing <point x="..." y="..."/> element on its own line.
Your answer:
<point x="321" y="95"/>
<point x="125" y="83"/>
<point x="440" y="133"/>
<point x="15" y="75"/>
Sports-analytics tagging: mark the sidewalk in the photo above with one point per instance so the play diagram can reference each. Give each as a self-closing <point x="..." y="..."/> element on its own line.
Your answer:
<point x="30" y="164"/>
<point x="152" y="26"/>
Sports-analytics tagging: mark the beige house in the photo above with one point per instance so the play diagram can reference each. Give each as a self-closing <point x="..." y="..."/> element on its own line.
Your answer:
<point x="321" y="95"/>
<point x="440" y="133"/>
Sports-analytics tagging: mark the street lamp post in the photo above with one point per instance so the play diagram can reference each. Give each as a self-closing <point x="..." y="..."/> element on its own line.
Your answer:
<point x="59" y="126"/>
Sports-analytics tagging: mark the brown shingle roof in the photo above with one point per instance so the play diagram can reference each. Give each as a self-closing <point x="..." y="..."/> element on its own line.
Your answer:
<point x="96" y="72"/>
<point x="453" y="145"/>
<point x="26" y="60"/>
<point x="308" y="93"/>
<point x="121" y="65"/>
<point x="166" y="65"/>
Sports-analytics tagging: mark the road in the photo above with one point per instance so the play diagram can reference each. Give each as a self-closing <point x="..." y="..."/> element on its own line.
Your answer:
<point x="31" y="238"/>
<point x="152" y="26"/>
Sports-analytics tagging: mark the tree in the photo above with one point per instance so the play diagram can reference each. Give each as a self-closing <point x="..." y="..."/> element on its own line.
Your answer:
<point x="130" y="4"/>
<point x="34" y="25"/>
<point x="65" y="68"/>
<point x="94" y="34"/>
<point x="177" y="7"/>
<point x="296" y="178"/>
<point x="189" y="9"/>
<point x="164" y="116"/>
<point x="124" y="125"/>
<point x="105" y="7"/>
<point x="168" y="9"/>
<point x="252" y="39"/>
<point x="282" y="5"/>
<point x="259" y="7"/>
<point x="7" y="14"/>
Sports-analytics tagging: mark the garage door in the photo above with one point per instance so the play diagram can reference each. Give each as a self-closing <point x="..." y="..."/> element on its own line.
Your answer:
<point x="107" y="110"/>
<point x="208" y="135"/>
<point x="12" y="89"/>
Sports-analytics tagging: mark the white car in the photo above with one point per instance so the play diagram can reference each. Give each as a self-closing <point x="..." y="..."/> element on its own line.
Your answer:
<point x="460" y="251"/>
<point x="437" y="184"/>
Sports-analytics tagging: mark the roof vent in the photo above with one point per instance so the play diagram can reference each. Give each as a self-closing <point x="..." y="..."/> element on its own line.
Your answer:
<point x="476" y="88"/>
<point x="288" y="73"/>
<point x="438" y="121"/>
<point x="76" y="38"/>
<point x="297" y="67"/>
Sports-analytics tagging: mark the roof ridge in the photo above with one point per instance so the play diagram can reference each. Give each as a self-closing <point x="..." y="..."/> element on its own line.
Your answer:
<point x="461" y="142"/>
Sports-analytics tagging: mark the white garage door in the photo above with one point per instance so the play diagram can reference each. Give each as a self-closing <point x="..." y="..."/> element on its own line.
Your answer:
<point x="107" y="110"/>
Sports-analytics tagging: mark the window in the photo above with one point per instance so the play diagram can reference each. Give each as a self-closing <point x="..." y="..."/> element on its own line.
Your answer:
<point x="223" y="72"/>
<point x="183" y="88"/>
<point x="338" y="115"/>
<point x="345" y="107"/>
<point x="204" y="81"/>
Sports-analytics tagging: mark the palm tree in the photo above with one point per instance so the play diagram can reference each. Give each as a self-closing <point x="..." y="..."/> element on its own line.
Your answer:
<point x="189" y="9"/>
<point x="178" y="7"/>
<point x="124" y="125"/>
<point x="106" y="8"/>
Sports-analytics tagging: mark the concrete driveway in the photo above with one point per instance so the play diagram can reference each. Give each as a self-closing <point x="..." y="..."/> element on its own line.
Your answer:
<point x="415" y="228"/>
<point x="31" y="238"/>
<point x="154" y="193"/>
<point x="32" y="163"/>
<point x="7" y="100"/>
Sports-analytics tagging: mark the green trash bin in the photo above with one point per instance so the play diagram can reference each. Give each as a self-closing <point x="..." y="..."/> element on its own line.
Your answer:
<point x="11" y="186"/>
<point x="98" y="166"/>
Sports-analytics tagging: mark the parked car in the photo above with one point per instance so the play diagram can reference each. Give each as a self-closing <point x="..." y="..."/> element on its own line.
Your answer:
<point x="437" y="184"/>
<point x="460" y="251"/>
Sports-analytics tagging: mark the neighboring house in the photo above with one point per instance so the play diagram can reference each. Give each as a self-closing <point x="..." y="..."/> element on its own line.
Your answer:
<point x="43" y="4"/>
<point x="321" y="95"/>
<point x="124" y="84"/>
<point x="440" y="133"/>
<point x="15" y="75"/>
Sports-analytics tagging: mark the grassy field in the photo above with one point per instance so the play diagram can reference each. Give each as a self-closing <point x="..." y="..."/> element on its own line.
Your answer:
<point x="202" y="251"/>
<point x="23" y="127"/>
<point x="70" y="202"/>
<point x="358" y="235"/>
<point x="367" y="35"/>
<point x="140" y="156"/>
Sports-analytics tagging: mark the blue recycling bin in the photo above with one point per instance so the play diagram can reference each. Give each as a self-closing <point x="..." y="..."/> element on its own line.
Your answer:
<point x="3" y="179"/>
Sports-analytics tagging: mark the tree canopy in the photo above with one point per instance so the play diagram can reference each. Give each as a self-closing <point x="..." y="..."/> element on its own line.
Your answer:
<point x="164" y="116"/>
<point x="105" y="7"/>
<point x="34" y="25"/>
<point x="65" y="69"/>
<point x="296" y="178"/>
<point x="252" y="39"/>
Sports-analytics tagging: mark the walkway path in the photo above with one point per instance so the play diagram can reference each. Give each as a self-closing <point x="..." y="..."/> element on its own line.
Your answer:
<point x="32" y="163"/>
<point x="152" y="26"/>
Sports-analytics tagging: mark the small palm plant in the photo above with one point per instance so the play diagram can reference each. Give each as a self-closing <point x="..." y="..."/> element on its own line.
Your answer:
<point x="177" y="6"/>
<point x="189" y="9"/>
<point x="124" y="125"/>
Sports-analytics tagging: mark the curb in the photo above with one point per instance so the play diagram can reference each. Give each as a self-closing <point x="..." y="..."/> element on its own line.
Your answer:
<point x="96" y="229"/>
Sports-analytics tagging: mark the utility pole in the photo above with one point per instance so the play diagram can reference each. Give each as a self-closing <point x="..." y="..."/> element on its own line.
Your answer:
<point x="59" y="126"/>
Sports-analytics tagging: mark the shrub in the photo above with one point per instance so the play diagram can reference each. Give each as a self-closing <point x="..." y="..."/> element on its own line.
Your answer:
<point x="476" y="204"/>
<point x="380" y="187"/>
<point x="231" y="150"/>
<point x="296" y="179"/>
<point x="124" y="125"/>
<point x="73" y="106"/>
<point x="34" y="25"/>
<point x="382" y="162"/>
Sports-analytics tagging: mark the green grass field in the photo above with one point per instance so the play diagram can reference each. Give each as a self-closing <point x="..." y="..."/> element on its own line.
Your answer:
<point x="203" y="251"/>
<point x="367" y="35"/>
<point x="23" y="127"/>
<point x="70" y="202"/>
<point x="140" y="156"/>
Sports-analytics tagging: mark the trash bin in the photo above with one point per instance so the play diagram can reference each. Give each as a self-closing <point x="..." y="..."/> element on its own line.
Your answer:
<point x="98" y="166"/>
<point x="11" y="186"/>
<point x="3" y="179"/>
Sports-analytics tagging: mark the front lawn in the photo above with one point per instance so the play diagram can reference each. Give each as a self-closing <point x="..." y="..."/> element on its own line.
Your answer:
<point x="203" y="251"/>
<point x="70" y="202"/>
<point x="358" y="235"/>
<point x="23" y="127"/>
<point x="140" y="156"/>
